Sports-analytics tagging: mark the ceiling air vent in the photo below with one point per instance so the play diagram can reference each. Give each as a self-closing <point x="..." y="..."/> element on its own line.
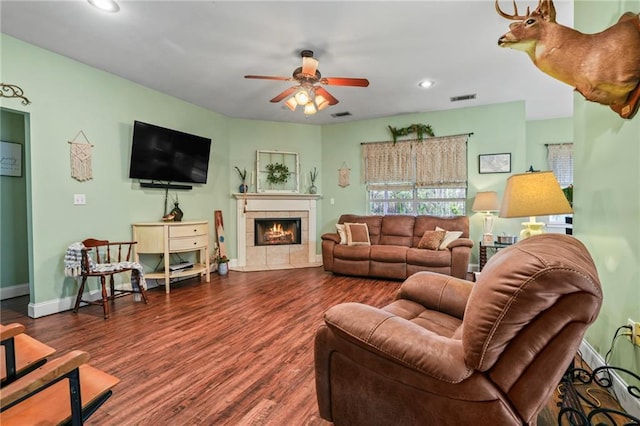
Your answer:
<point x="462" y="97"/>
<point x="341" y="114"/>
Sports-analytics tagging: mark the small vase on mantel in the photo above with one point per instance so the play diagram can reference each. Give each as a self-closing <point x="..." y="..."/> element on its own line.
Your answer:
<point x="243" y="188"/>
<point x="313" y="175"/>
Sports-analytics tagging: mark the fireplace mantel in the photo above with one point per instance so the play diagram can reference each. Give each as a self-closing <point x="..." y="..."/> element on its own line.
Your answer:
<point x="281" y="204"/>
<point x="275" y="196"/>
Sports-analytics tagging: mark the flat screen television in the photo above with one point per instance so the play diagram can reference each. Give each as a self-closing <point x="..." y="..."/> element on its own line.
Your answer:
<point x="165" y="155"/>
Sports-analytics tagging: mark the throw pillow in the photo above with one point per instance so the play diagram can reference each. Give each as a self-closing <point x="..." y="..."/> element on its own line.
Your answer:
<point x="342" y="232"/>
<point x="431" y="240"/>
<point x="448" y="238"/>
<point x="357" y="234"/>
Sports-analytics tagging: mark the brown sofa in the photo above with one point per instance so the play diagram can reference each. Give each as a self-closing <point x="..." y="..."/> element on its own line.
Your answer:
<point x="394" y="251"/>
<point x="451" y="352"/>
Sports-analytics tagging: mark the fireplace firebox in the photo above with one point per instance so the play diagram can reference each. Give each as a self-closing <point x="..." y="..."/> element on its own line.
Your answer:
<point x="277" y="231"/>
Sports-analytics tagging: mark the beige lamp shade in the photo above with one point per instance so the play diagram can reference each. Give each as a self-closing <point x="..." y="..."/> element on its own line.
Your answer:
<point x="533" y="194"/>
<point x="486" y="202"/>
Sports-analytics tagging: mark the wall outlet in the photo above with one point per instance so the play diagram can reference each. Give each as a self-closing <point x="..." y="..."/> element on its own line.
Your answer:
<point x="635" y="332"/>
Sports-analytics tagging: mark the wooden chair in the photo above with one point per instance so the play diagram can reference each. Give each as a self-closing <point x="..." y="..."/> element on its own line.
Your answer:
<point x="97" y="261"/>
<point x="64" y="390"/>
<point x="20" y="353"/>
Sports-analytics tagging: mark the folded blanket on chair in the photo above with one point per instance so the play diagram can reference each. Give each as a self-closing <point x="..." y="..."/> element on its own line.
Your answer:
<point x="73" y="266"/>
<point x="73" y="260"/>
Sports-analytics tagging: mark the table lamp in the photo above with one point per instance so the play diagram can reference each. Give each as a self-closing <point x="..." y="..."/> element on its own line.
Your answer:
<point x="486" y="202"/>
<point x="533" y="194"/>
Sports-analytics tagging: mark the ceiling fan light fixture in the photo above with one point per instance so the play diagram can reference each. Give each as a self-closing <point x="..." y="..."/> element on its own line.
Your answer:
<point x="291" y="103"/>
<point x="309" y="109"/>
<point x="321" y="102"/>
<point x="302" y="97"/>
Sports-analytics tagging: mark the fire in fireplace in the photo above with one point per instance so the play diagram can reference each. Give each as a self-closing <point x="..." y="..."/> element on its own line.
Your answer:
<point x="281" y="231"/>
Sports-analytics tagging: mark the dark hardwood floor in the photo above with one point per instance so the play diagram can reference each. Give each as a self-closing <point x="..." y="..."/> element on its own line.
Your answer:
<point x="236" y="351"/>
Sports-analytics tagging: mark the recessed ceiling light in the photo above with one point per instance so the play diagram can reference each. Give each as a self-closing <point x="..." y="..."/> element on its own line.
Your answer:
<point x="105" y="5"/>
<point x="425" y="84"/>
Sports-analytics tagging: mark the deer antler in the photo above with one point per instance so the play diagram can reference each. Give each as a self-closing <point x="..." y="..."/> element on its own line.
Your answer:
<point x="515" y="16"/>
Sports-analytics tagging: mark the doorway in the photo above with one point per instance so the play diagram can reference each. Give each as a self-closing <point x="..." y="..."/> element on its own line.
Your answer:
<point x="14" y="244"/>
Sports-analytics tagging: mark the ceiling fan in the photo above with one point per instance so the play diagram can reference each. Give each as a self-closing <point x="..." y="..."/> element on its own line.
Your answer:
<point x="308" y="92"/>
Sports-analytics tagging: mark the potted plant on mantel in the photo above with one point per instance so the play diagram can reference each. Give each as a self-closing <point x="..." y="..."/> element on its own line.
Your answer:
<point x="313" y="175"/>
<point x="243" y="175"/>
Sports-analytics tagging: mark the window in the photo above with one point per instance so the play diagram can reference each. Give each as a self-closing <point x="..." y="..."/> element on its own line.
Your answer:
<point x="560" y="160"/>
<point x="417" y="177"/>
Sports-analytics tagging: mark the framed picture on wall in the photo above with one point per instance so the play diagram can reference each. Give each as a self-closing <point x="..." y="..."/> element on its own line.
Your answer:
<point x="10" y="159"/>
<point x="494" y="163"/>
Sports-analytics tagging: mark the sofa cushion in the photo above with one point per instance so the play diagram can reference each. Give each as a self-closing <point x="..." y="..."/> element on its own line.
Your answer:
<point x="429" y="258"/>
<point x="389" y="254"/>
<point x="431" y="240"/>
<point x="397" y="230"/>
<point x="342" y="232"/>
<point x="449" y="237"/>
<point x="429" y="223"/>
<point x="351" y="252"/>
<point x="374" y="224"/>
<point x="357" y="234"/>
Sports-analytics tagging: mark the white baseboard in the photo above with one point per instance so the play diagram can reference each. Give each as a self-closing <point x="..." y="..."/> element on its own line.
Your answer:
<point x="14" y="291"/>
<point x="50" y="307"/>
<point x="594" y="360"/>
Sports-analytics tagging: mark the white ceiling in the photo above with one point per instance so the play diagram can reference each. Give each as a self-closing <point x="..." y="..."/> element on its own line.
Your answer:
<point x="200" y="51"/>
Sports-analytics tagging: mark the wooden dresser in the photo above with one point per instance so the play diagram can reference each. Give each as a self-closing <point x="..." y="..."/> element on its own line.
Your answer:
<point x="165" y="238"/>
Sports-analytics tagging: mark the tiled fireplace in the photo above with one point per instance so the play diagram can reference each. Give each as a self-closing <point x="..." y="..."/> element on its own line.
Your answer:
<point x="276" y="231"/>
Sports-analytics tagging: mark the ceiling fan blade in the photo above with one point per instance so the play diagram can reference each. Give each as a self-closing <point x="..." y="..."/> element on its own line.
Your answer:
<point x="284" y="94"/>
<point x="328" y="96"/>
<point x="267" y="77"/>
<point x="344" y="81"/>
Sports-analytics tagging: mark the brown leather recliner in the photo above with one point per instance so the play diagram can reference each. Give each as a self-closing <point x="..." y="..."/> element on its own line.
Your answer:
<point x="451" y="352"/>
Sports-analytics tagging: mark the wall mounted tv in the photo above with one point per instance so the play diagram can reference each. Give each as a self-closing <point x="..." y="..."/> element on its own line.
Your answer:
<point x="163" y="156"/>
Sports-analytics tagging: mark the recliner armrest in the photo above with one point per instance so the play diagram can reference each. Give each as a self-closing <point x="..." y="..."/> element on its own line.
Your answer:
<point x="438" y="292"/>
<point x="460" y="242"/>
<point x="331" y="237"/>
<point x="398" y="339"/>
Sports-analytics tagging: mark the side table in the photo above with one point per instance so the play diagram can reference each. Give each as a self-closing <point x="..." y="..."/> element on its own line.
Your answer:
<point x="493" y="248"/>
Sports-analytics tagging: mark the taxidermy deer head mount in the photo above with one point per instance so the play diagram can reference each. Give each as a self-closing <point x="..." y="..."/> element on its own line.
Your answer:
<point x="603" y="67"/>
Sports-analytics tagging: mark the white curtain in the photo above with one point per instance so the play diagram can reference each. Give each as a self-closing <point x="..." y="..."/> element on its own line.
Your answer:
<point x="560" y="159"/>
<point x="432" y="162"/>
<point x="442" y="162"/>
<point x="385" y="162"/>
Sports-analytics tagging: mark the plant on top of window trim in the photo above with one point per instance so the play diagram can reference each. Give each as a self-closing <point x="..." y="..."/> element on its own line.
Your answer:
<point x="419" y="129"/>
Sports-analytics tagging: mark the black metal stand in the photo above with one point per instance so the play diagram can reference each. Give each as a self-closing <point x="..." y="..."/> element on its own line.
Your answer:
<point x="571" y="404"/>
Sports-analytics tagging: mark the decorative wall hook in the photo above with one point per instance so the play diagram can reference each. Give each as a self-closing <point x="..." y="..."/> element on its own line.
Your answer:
<point x="13" y="91"/>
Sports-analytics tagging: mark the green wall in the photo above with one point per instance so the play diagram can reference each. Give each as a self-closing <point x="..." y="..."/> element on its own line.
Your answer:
<point x="607" y="198"/>
<point x="14" y="266"/>
<point x="542" y="132"/>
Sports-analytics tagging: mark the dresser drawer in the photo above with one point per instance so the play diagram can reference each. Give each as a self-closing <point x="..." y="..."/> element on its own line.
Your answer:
<point x="188" y="230"/>
<point x="186" y="243"/>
